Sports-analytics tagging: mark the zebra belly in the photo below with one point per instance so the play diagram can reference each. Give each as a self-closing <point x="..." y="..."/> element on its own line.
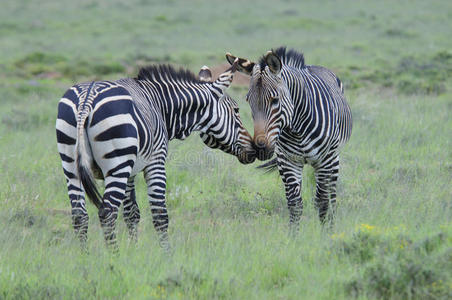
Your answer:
<point x="300" y="150"/>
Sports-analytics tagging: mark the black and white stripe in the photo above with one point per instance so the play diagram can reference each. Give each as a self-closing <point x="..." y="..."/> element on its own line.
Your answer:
<point x="112" y="130"/>
<point x="300" y="113"/>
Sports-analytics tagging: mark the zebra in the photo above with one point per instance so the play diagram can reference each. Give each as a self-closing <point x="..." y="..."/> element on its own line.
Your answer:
<point x="301" y="114"/>
<point x="112" y="130"/>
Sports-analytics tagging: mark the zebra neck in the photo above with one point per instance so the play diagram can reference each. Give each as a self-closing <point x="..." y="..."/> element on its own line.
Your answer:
<point x="295" y="81"/>
<point x="185" y="109"/>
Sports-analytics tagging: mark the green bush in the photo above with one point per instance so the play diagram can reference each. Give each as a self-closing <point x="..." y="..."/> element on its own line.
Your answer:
<point x="38" y="64"/>
<point x="411" y="75"/>
<point x="395" y="268"/>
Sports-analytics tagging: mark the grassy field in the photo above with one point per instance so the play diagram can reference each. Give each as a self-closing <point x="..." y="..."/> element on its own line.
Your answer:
<point x="228" y="222"/>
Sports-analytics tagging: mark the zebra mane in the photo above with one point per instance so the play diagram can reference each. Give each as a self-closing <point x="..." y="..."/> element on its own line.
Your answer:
<point x="289" y="57"/>
<point x="163" y="72"/>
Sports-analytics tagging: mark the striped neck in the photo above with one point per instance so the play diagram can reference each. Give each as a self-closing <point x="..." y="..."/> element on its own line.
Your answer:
<point x="186" y="108"/>
<point x="293" y="78"/>
<point x="185" y="103"/>
<point x="195" y="106"/>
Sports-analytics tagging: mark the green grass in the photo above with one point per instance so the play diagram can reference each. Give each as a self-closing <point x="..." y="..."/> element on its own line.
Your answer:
<point x="228" y="222"/>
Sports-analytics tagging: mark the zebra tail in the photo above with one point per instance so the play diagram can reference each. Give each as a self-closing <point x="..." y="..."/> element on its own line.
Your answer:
<point x="269" y="166"/>
<point x="84" y="165"/>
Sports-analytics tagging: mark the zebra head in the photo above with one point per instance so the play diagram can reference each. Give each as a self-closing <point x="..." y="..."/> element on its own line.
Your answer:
<point x="269" y="98"/>
<point x="225" y="130"/>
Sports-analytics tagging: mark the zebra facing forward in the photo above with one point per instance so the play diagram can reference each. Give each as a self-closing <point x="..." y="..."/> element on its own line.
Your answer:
<point x="112" y="130"/>
<point x="300" y="113"/>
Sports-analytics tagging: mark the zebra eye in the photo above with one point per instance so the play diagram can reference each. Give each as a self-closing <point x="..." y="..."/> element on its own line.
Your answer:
<point x="275" y="101"/>
<point x="236" y="110"/>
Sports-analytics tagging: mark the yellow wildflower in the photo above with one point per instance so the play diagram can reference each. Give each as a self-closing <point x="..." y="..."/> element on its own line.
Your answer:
<point x="367" y="227"/>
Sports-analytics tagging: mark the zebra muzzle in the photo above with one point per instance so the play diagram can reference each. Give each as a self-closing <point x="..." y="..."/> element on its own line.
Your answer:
<point x="263" y="151"/>
<point x="247" y="157"/>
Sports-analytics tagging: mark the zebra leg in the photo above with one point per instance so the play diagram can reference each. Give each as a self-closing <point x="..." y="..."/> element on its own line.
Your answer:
<point x="131" y="210"/>
<point x="326" y="178"/>
<point x="115" y="191"/>
<point x="155" y="177"/>
<point x="291" y="174"/>
<point x="76" y="191"/>
<point x="78" y="209"/>
<point x="333" y="183"/>
<point x="79" y="218"/>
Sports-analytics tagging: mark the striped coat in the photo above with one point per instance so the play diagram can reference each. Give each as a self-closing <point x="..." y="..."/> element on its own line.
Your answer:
<point x="112" y="130"/>
<point x="301" y="114"/>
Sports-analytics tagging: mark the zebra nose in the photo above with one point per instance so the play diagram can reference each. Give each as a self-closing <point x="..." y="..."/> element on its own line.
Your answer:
<point x="259" y="147"/>
<point x="261" y="150"/>
<point x="259" y="143"/>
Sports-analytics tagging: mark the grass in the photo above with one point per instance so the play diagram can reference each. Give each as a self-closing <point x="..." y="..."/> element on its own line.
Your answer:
<point x="228" y="222"/>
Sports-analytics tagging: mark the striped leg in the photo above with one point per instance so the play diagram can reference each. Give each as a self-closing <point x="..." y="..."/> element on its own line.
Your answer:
<point x="326" y="178"/>
<point x="155" y="177"/>
<point x="131" y="210"/>
<point x="333" y="185"/>
<point x="79" y="214"/>
<point x="115" y="192"/>
<point x="78" y="208"/>
<point x="291" y="174"/>
<point x="66" y="146"/>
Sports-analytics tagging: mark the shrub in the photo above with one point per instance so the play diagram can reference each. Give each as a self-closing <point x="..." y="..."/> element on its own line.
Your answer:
<point x="411" y="75"/>
<point x="395" y="268"/>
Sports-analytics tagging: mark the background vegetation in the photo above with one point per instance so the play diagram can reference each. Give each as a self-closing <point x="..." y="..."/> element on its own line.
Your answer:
<point x="228" y="222"/>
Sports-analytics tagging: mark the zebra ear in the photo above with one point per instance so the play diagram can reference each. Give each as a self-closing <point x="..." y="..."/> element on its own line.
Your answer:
<point x="205" y="74"/>
<point x="273" y="62"/>
<point x="225" y="79"/>
<point x="244" y="65"/>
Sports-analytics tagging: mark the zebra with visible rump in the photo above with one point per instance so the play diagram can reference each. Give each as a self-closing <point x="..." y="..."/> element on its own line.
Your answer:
<point x="300" y="113"/>
<point x="112" y="130"/>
